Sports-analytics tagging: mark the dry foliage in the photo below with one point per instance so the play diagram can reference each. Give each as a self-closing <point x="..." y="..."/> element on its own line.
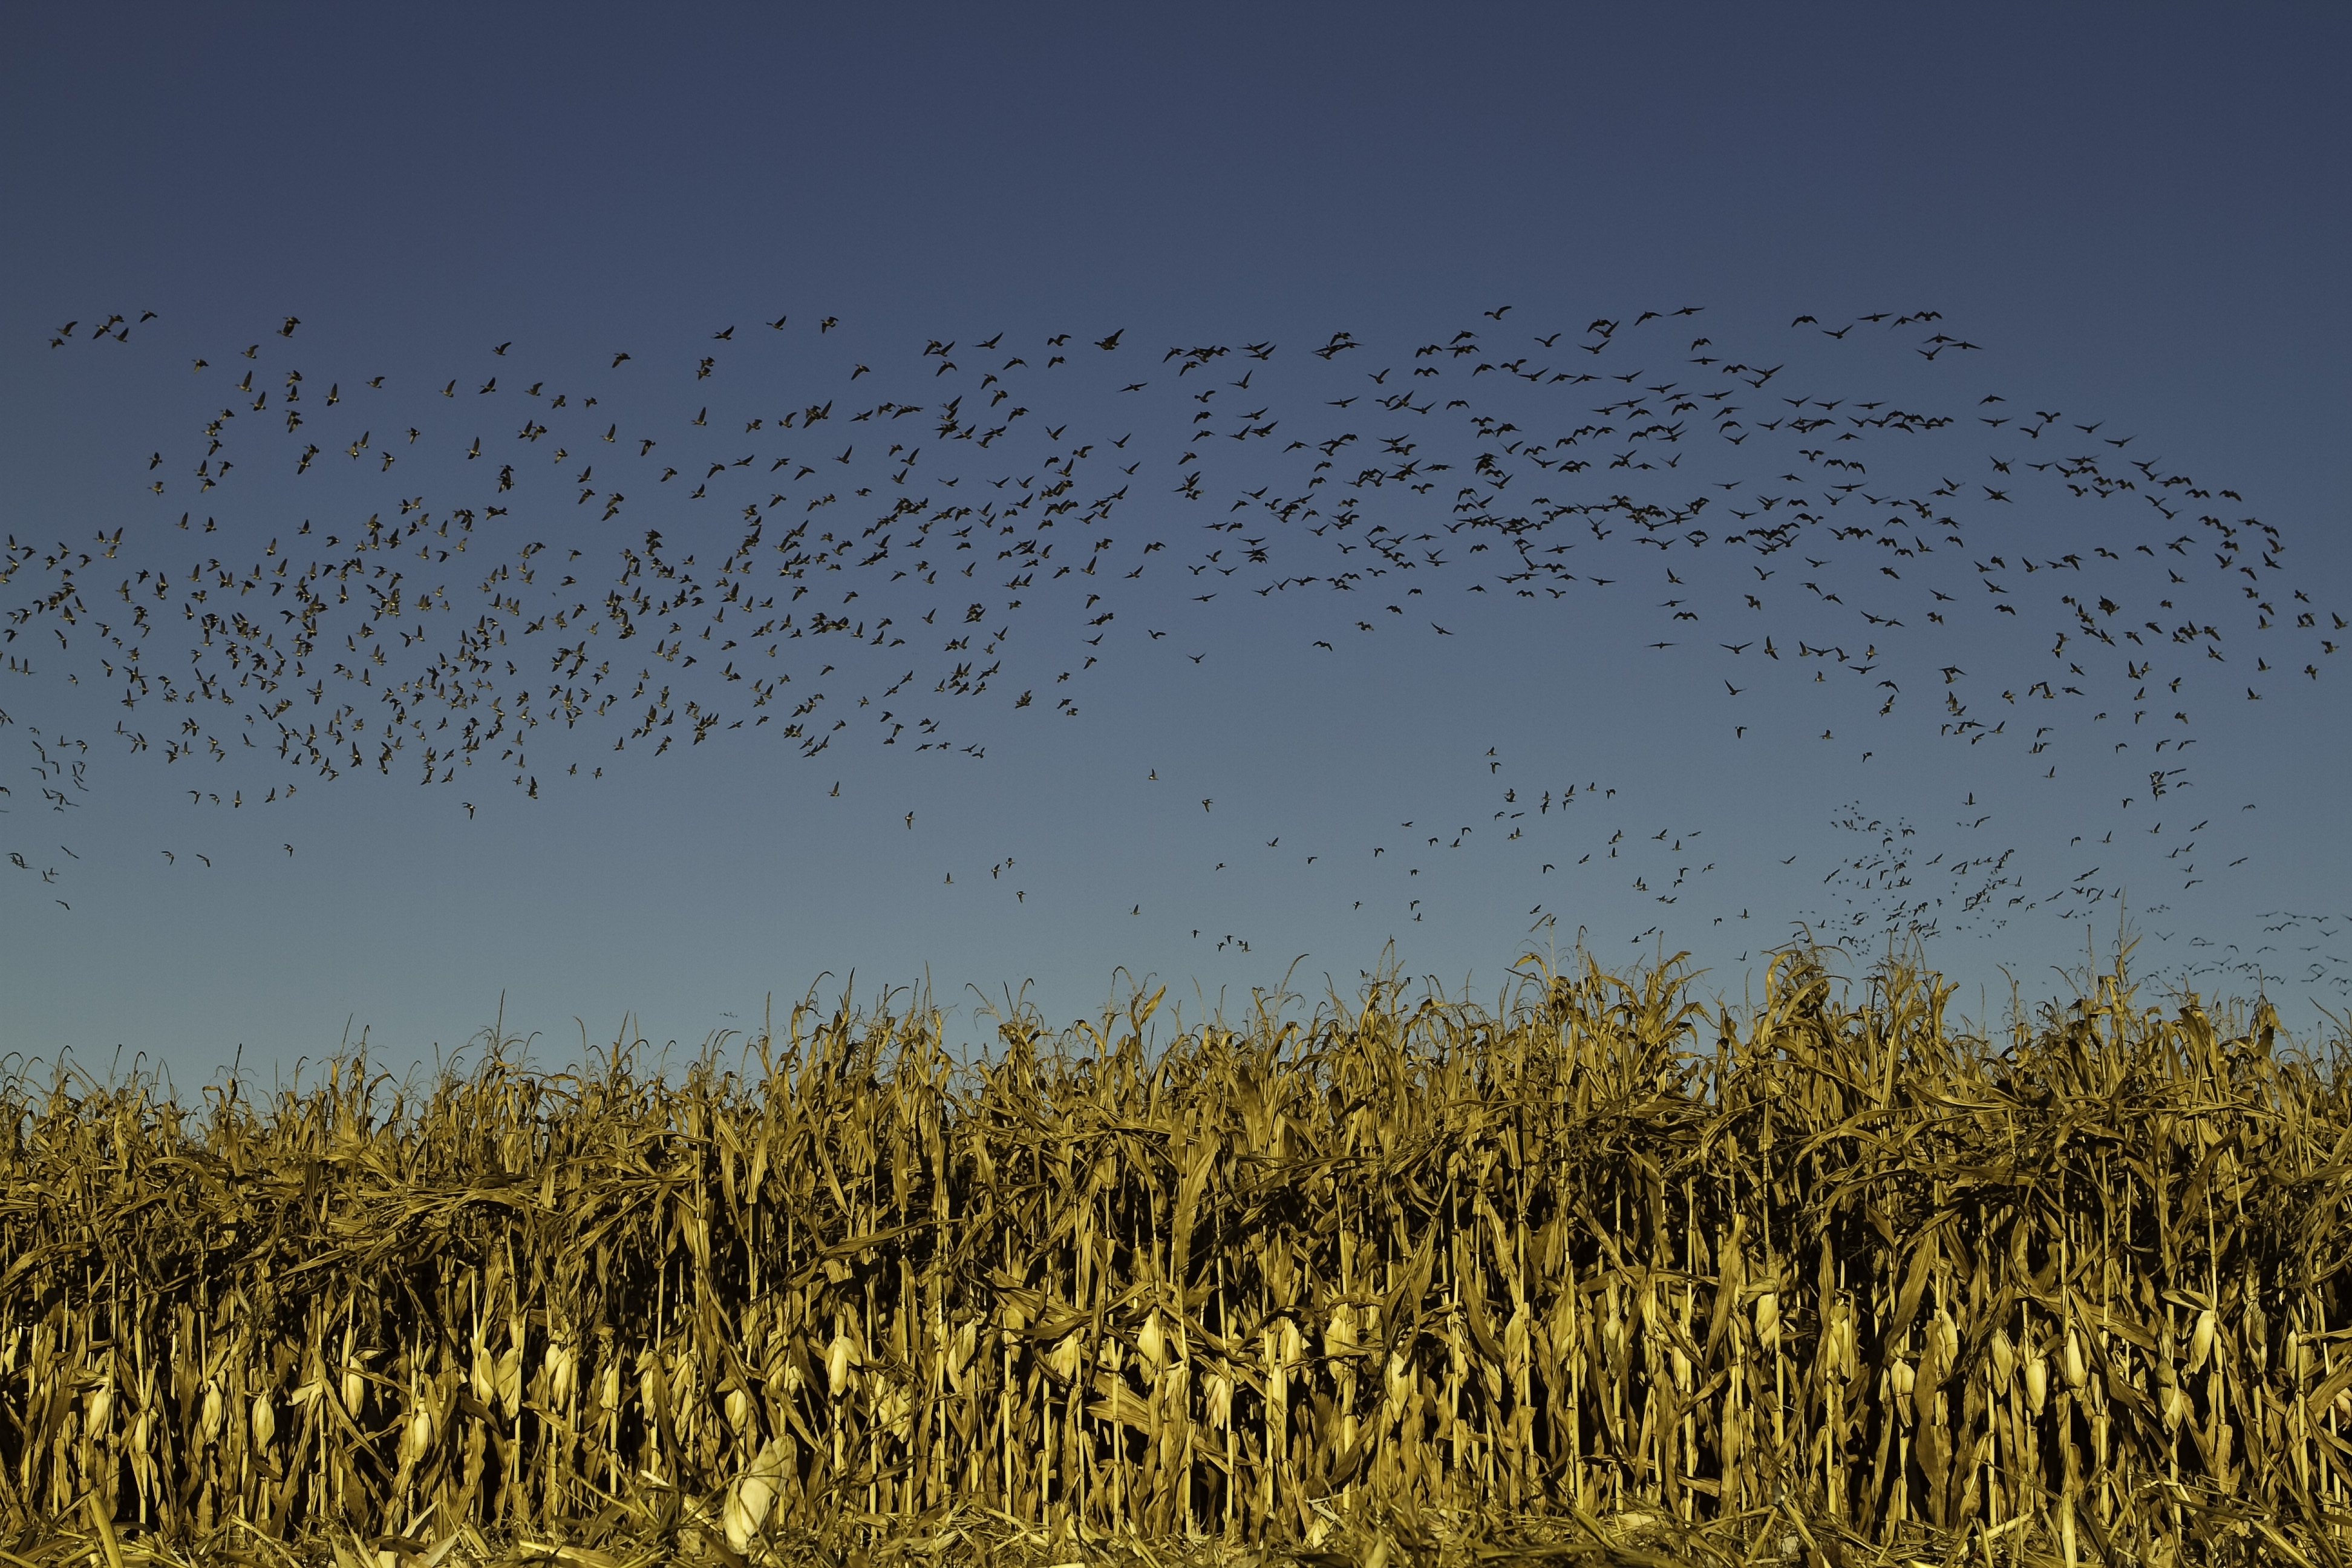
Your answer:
<point x="1594" y="1274"/>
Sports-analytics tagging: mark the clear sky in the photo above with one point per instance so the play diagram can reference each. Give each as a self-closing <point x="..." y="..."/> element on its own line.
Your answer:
<point x="2118" y="230"/>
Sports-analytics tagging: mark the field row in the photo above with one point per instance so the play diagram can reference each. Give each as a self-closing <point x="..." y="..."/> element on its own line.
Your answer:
<point x="1835" y="1268"/>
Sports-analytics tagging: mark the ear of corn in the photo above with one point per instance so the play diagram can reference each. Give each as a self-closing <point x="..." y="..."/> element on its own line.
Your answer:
<point x="1406" y="1259"/>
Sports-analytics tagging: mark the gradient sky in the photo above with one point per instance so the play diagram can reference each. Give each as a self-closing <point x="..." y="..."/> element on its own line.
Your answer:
<point x="2133" y="213"/>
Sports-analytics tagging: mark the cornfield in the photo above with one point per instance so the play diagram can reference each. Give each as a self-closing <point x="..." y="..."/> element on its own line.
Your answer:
<point x="1597" y="1272"/>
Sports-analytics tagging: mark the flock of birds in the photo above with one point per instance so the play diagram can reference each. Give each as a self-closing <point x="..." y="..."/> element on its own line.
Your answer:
<point x="453" y="578"/>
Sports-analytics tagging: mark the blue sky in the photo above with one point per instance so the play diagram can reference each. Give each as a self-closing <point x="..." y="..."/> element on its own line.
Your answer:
<point x="2127" y="213"/>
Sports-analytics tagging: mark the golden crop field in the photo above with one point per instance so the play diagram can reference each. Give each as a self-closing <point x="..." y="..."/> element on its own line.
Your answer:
<point x="1597" y="1273"/>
